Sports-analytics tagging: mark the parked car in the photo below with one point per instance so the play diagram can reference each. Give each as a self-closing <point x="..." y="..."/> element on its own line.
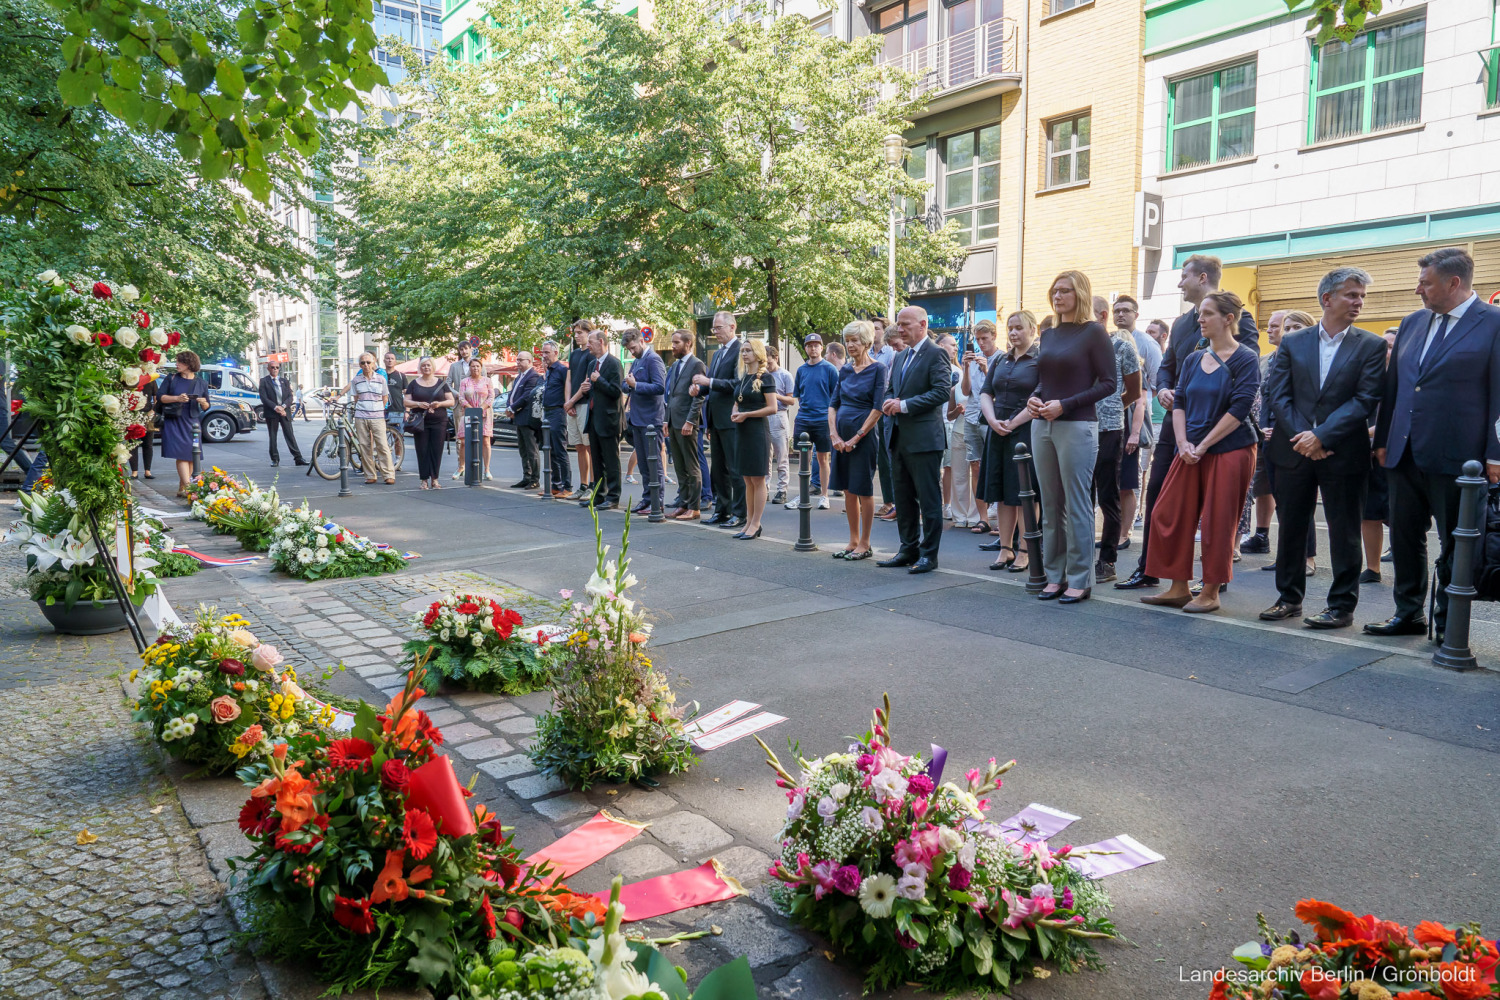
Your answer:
<point x="233" y="384"/>
<point x="226" y="417"/>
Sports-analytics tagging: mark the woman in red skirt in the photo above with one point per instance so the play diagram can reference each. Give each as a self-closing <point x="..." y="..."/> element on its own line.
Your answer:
<point x="1215" y="461"/>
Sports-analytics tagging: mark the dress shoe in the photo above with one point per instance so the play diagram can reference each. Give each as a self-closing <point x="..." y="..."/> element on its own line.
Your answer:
<point x="1257" y="544"/>
<point x="1050" y="595"/>
<point x="1163" y="601"/>
<point x="1398" y="625"/>
<point x="923" y="565"/>
<point x="717" y="518"/>
<point x="1280" y="612"/>
<point x="746" y="536"/>
<point x="994" y="546"/>
<point x="524" y="484"/>
<point x="1138" y="581"/>
<point x="1329" y="618"/>
<point x="606" y="505"/>
<point x="641" y="508"/>
<point x="1370" y="576"/>
<point x="1123" y="546"/>
<point x="560" y="494"/>
<point x="301" y="461"/>
<point x="275" y="464"/>
<point x="896" y="560"/>
<point x="733" y="522"/>
<point x="1076" y="598"/>
<point x="686" y="515"/>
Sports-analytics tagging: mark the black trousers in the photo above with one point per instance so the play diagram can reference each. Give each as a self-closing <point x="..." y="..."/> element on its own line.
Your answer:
<point x="684" y="449"/>
<point x="557" y="442"/>
<point x="529" y="443"/>
<point x="640" y="443"/>
<point x="1106" y="490"/>
<point x="604" y="451"/>
<point x="918" y="481"/>
<point x="729" y="486"/>
<point x="1418" y="498"/>
<point x="1296" y="490"/>
<point x="883" y="463"/>
<point x="275" y="420"/>
<point x="1161" y="464"/>
<point x="429" y="441"/>
<point x="143" y="452"/>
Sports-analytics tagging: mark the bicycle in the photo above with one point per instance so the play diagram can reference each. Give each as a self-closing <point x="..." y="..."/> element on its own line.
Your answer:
<point x="339" y="425"/>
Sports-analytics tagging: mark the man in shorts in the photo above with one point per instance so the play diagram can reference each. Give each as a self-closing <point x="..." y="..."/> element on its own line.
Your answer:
<point x="580" y="362"/>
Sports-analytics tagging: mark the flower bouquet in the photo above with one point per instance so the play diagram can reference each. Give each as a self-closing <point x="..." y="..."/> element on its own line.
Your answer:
<point x="62" y="561"/>
<point x="473" y="641"/>
<point x="250" y="516"/>
<point x="369" y="865"/>
<point x="1361" y="958"/>
<point x="208" y="485"/>
<point x="305" y="546"/>
<point x="82" y="353"/>
<point x="613" y="717"/>
<point x="215" y="695"/>
<point x="909" y="878"/>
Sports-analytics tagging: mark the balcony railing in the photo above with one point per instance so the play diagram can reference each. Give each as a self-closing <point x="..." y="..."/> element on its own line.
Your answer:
<point x="986" y="51"/>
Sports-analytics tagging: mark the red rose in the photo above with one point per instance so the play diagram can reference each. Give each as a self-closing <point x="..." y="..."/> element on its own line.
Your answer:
<point x="395" y="775"/>
<point x="15" y="406"/>
<point x="174" y="338"/>
<point x="513" y="917"/>
<point x="134" y="432"/>
<point x="150" y="355"/>
<point x="103" y="291"/>
<point x="104" y="340"/>
<point x="231" y="666"/>
<point x="354" y="914"/>
<point x="142" y="319"/>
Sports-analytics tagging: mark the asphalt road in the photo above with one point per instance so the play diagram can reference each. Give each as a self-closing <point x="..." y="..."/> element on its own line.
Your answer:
<point x="1267" y="763"/>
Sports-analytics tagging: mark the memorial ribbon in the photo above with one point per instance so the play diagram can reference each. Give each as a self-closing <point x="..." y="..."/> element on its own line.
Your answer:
<point x="593" y="841"/>
<point x="653" y="897"/>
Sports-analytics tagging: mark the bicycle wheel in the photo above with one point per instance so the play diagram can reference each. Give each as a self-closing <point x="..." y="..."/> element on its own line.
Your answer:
<point x="398" y="447"/>
<point x="325" y="454"/>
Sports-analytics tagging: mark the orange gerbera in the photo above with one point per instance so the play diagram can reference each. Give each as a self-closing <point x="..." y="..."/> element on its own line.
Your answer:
<point x="1462" y="981"/>
<point x="294" y="801"/>
<point x="1328" y="920"/>
<point x="389" y="885"/>
<point x="1430" y="933"/>
<point x="570" y="904"/>
<point x="1320" y="986"/>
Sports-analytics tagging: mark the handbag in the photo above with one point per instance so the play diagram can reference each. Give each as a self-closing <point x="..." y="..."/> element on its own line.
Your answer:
<point x="414" y="421"/>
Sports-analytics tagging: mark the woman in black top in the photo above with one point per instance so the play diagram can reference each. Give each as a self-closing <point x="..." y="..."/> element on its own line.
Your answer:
<point x="1075" y="369"/>
<point x="430" y="396"/>
<point x="148" y="418"/>
<point x="754" y="401"/>
<point x="1002" y="401"/>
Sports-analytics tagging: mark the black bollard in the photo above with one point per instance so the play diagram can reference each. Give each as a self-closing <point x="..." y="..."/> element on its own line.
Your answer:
<point x="1455" y="653"/>
<point x="1031" y="530"/>
<point x="804" y="509"/>
<point x="651" y="470"/>
<point x="344" y="490"/>
<point x="546" y="452"/>
<point x="473" y="461"/>
<point x="198" y="439"/>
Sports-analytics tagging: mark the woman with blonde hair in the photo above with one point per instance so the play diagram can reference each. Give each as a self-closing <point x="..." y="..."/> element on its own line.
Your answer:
<point x="852" y="418"/>
<point x="476" y="390"/>
<point x="1075" y="369"/>
<point x="754" y="401"/>
<point x="1002" y="402"/>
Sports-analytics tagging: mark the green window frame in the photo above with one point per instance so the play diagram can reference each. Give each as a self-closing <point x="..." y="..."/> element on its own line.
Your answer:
<point x="1211" y="117"/>
<point x="1370" y="84"/>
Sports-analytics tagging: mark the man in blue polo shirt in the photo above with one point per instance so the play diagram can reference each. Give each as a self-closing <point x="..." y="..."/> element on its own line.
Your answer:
<point x="814" y="387"/>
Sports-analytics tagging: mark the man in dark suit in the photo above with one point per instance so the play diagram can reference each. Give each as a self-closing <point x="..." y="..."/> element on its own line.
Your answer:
<point x="721" y="382"/>
<point x="921" y="378"/>
<point x="606" y="385"/>
<point x="276" y="398"/>
<point x="554" y="396"/>
<point x="1200" y="275"/>
<point x="1442" y="400"/>
<point x="519" y="407"/>
<point x="1322" y="385"/>
<point x="684" y="419"/>
<point x="646" y="382"/>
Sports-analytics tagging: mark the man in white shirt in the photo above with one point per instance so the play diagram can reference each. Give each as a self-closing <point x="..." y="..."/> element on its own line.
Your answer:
<point x="371" y="393"/>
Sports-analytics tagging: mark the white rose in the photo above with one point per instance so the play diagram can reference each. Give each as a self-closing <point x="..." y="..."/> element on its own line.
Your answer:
<point x="322" y="541"/>
<point x="110" y="403"/>
<point x="461" y="630"/>
<point x="130" y="376"/>
<point x="370" y="555"/>
<point x="47" y="277"/>
<point x="149" y="369"/>
<point x="158" y="338"/>
<point x="77" y="334"/>
<point x="126" y="337"/>
<point x="122" y="454"/>
<point x="129" y="293"/>
<point x="444" y="635"/>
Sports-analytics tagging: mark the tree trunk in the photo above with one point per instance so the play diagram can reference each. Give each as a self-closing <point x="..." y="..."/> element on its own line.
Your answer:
<point x="773" y="314"/>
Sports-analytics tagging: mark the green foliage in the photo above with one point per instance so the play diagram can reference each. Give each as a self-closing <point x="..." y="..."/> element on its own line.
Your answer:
<point x="515" y="669"/>
<point x="175" y="564"/>
<point x="1338" y="19"/>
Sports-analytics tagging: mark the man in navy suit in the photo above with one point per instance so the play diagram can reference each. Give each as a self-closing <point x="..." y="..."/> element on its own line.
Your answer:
<point x="646" y="382"/>
<point x="720" y="385"/>
<point x="921" y="378"/>
<point x="1442" y="399"/>
<point x="1322" y="386"/>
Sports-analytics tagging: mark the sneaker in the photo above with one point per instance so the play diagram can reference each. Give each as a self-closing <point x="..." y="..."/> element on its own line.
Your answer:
<point x="793" y="504"/>
<point x="947" y="512"/>
<point x="822" y="503"/>
<point x="780" y="497"/>
<point x="1103" y="571"/>
<point x="1257" y="544"/>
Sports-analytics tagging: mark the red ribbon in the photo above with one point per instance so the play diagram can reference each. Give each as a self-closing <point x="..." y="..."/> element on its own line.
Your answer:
<point x="435" y="787"/>
<point x="679" y="891"/>
<point x="591" y="842"/>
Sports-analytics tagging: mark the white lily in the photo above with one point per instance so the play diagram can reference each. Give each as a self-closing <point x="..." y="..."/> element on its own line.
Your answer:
<point x="77" y="551"/>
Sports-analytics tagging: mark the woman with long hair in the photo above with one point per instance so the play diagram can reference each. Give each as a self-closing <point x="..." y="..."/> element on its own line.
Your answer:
<point x="852" y="418"/>
<point x="1008" y="385"/>
<point x="181" y="396"/>
<point x="1075" y="369"/>
<point x="754" y="401"/>
<point x="1215" y="459"/>
<point x="429" y="395"/>
<point x="477" y="390"/>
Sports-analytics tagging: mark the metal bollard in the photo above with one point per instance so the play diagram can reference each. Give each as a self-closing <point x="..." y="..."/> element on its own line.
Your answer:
<point x="1031" y="532"/>
<point x="546" y="460"/>
<point x="198" y="441"/>
<point x="804" y="508"/>
<point x="1455" y="653"/>
<point x="344" y="490"/>
<point x="651" y="469"/>
<point x="473" y="461"/>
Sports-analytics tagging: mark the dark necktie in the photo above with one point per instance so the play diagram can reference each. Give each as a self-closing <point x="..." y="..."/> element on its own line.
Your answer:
<point x="1437" y="343"/>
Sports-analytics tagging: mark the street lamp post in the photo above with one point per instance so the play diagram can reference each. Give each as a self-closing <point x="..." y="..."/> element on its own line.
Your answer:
<point x="895" y="150"/>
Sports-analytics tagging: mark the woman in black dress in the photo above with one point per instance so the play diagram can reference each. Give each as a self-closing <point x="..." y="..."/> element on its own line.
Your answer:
<point x="852" y="417"/>
<point x="1010" y="382"/>
<point x="149" y="418"/>
<point x="754" y="401"/>
<point x="181" y="396"/>
<point x="430" y="396"/>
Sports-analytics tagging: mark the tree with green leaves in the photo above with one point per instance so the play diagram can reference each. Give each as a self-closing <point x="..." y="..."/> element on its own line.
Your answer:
<point x="1337" y="19"/>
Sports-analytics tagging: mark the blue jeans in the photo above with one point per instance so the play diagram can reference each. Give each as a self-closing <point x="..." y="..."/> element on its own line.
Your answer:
<point x="557" y="443"/>
<point x="38" y="466"/>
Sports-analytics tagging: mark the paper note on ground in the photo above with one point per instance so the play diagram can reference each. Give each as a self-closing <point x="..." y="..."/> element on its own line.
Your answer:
<point x="1128" y="853"/>
<point x="737" y="730"/>
<point x="1037" y="823"/>
<point x="718" y="717"/>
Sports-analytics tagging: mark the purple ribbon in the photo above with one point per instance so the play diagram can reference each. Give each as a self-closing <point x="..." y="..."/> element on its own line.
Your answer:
<point x="934" y="768"/>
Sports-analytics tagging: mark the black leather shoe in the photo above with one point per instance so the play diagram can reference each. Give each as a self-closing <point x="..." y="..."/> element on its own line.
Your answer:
<point x="994" y="546"/>
<point x="641" y="508"/>
<point x="1370" y="576"/>
<point x="606" y="505"/>
<point x="522" y="485"/>
<point x="1076" y="598"/>
<point x="275" y="464"/>
<point x="1050" y="595"/>
<point x="1398" y="625"/>
<point x="1280" y="612"/>
<point x="896" y="561"/>
<point x="716" y="519"/>
<point x="1329" y="618"/>
<point x="1138" y="581"/>
<point x="301" y="461"/>
<point x="733" y="522"/>
<point x="923" y="565"/>
<point x="1438" y="637"/>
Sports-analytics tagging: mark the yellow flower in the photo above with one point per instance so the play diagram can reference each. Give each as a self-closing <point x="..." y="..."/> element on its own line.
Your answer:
<point x="133" y="675"/>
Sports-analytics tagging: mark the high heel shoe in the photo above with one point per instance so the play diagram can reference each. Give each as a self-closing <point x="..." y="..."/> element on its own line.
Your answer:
<point x="1050" y="595"/>
<point x="1076" y="598"/>
<point x="746" y="537"/>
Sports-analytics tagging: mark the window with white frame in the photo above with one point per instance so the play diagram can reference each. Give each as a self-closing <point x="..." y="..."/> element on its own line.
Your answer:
<point x="1068" y="150"/>
<point x="971" y="183"/>
<point x="1058" y="6"/>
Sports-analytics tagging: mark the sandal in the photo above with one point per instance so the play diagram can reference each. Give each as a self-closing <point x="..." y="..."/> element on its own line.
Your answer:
<point x="857" y="556"/>
<point x="981" y="527"/>
<point x="1019" y="569"/>
<point x="423" y="486"/>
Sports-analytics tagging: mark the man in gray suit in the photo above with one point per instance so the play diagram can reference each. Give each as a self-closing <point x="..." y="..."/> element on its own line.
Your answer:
<point x="921" y="378"/>
<point x="684" y="419"/>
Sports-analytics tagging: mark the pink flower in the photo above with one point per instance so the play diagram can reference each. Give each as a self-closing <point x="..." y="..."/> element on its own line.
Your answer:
<point x="972" y="774"/>
<point x="224" y="708"/>
<point x="920" y="849"/>
<point x="565" y="594"/>
<point x="920" y="784"/>
<point x="1024" y="909"/>
<point x="1039" y="853"/>
<point x="847" y="880"/>
<point x="959" y="878"/>
<point x="822" y="875"/>
<point x="265" y="657"/>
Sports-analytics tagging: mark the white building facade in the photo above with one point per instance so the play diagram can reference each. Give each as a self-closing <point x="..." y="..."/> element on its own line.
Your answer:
<point x="1285" y="158"/>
